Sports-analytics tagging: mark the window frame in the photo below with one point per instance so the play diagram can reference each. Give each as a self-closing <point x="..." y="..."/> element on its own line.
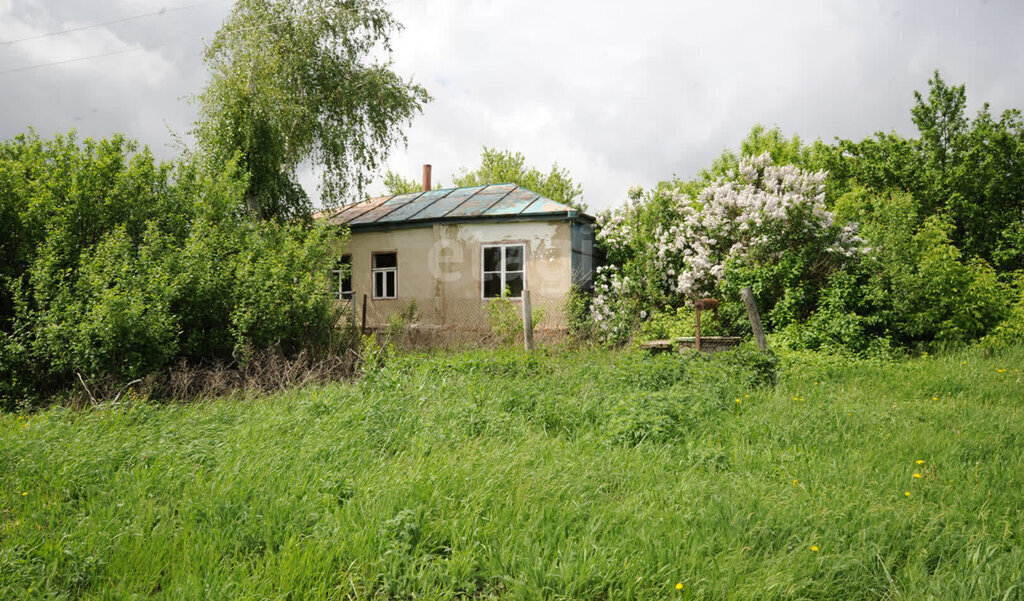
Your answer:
<point x="374" y="270"/>
<point x="504" y="270"/>
<point x="340" y="293"/>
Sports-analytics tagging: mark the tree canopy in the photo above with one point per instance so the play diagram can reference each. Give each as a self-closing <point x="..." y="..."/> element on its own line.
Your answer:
<point x="505" y="166"/>
<point x="296" y="81"/>
<point x="394" y="183"/>
<point x="970" y="170"/>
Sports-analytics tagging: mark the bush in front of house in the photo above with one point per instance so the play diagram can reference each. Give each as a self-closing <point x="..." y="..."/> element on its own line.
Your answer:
<point x="117" y="267"/>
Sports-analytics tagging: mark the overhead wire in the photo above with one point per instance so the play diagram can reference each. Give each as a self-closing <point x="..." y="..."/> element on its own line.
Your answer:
<point x="161" y="12"/>
<point x="75" y="60"/>
<point x="141" y="48"/>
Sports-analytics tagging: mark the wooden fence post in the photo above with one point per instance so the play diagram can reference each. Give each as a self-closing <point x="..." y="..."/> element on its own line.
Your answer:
<point x="527" y="321"/>
<point x="696" y="337"/>
<point x="755" y="317"/>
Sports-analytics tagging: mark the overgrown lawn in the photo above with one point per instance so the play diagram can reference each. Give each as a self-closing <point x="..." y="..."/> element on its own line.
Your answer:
<point x="585" y="475"/>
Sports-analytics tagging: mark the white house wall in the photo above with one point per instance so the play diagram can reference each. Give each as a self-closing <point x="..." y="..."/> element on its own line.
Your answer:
<point x="439" y="266"/>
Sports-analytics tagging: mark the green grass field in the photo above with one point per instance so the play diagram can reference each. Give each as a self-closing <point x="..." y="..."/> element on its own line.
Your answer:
<point x="575" y="475"/>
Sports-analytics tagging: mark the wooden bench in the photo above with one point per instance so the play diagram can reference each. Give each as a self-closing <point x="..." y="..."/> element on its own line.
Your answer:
<point x="656" y="346"/>
<point x="708" y="344"/>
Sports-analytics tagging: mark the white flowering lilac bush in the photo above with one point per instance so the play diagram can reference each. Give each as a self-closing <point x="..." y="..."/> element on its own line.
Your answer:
<point x="765" y="226"/>
<point x="767" y="212"/>
<point x="614" y="305"/>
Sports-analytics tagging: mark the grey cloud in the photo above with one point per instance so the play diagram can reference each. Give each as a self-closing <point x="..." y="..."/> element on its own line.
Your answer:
<point x="140" y="94"/>
<point x="617" y="93"/>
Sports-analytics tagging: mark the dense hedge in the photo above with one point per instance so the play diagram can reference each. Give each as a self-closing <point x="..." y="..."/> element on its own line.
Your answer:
<point x="115" y="266"/>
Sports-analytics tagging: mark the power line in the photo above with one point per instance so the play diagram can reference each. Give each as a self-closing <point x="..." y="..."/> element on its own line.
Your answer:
<point x="81" y="58"/>
<point x="161" y="12"/>
<point x="140" y="48"/>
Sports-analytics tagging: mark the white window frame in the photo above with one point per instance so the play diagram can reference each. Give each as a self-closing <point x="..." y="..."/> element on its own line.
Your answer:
<point x="375" y="270"/>
<point x="504" y="272"/>
<point x="341" y="293"/>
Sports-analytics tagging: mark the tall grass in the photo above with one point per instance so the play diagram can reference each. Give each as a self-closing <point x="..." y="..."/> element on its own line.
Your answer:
<point x="585" y="475"/>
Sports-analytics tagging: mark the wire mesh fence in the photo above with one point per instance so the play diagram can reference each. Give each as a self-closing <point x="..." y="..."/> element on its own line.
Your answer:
<point x="447" y="323"/>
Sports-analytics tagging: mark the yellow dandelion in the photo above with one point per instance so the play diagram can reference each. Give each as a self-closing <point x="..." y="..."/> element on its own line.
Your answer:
<point x="814" y="548"/>
<point x="679" y="586"/>
<point x="935" y="398"/>
<point x="24" y="494"/>
<point x="907" y="493"/>
<point x="963" y="363"/>
<point x="916" y="475"/>
<point x="920" y="461"/>
<point x="795" y="482"/>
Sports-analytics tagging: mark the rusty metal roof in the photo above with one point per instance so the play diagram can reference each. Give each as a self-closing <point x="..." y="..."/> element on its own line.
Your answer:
<point x="494" y="202"/>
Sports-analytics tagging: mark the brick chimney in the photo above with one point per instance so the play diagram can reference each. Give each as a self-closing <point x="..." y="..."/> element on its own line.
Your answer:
<point x="426" y="178"/>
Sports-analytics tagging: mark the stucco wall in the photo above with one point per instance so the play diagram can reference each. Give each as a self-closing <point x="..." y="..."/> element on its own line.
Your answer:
<point x="439" y="266"/>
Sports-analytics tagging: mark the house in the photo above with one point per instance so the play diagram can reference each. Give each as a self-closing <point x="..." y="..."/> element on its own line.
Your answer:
<point x="453" y="251"/>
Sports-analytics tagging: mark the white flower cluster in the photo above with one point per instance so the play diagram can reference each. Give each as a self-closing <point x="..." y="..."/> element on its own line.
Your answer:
<point x="769" y="210"/>
<point x="613" y="228"/>
<point x="611" y="294"/>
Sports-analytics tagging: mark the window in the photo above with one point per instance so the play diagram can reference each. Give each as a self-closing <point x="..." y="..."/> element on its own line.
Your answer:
<point x="343" y="278"/>
<point x="385" y="275"/>
<point x="503" y="270"/>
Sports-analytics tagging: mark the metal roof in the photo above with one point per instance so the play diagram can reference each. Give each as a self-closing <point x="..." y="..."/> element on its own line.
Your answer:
<point x="505" y="202"/>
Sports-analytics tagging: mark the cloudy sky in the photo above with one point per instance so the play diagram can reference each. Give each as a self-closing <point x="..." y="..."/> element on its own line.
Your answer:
<point x="618" y="93"/>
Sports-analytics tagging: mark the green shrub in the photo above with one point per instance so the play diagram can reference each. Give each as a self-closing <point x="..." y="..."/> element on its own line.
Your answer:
<point x="400" y="321"/>
<point x="836" y="326"/>
<point x="916" y="286"/>
<point x="1009" y="332"/>
<point x="673" y="323"/>
<point x="375" y="355"/>
<point x="17" y="384"/>
<point x="118" y="266"/>
<point x="505" y="319"/>
<point x="577" y="312"/>
<point x="115" y="319"/>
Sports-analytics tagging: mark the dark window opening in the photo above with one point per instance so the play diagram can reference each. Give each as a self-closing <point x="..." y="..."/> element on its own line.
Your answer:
<point x="504" y="270"/>
<point x="343" y="278"/>
<point x="385" y="275"/>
